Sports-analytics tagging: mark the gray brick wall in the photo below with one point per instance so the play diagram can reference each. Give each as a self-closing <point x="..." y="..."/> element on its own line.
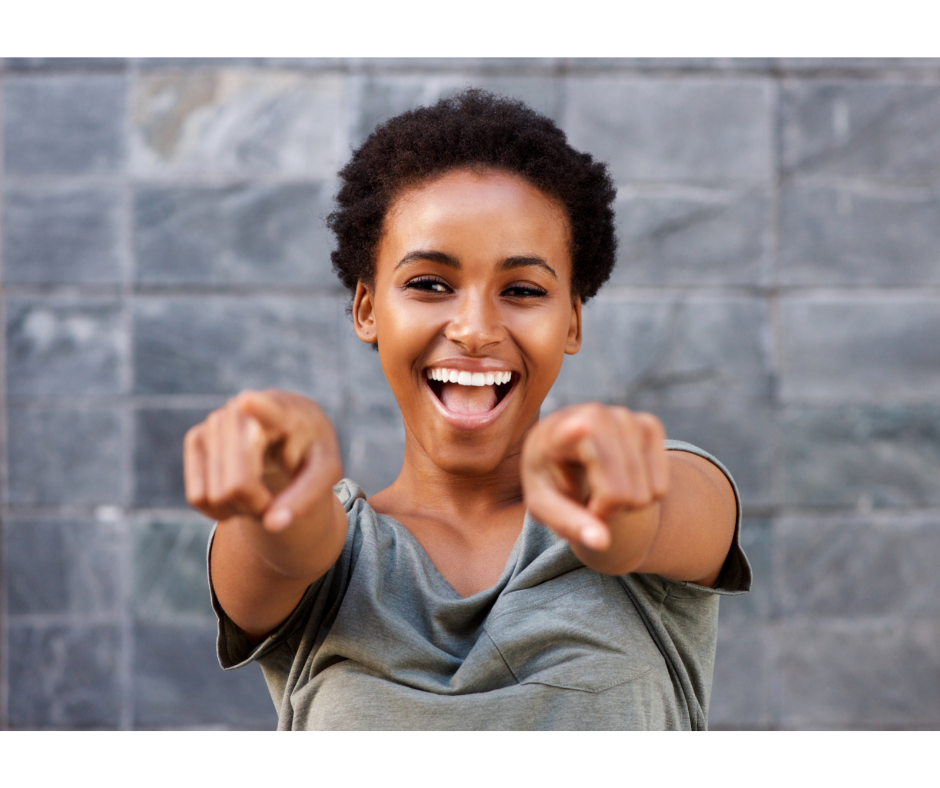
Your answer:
<point x="776" y="302"/>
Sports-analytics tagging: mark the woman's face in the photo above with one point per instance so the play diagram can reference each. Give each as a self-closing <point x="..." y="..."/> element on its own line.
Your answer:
<point x="472" y="286"/>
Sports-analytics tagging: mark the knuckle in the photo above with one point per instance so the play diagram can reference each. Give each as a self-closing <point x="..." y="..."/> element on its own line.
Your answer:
<point x="243" y="399"/>
<point x="594" y="412"/>
<point x="651" y="426"/>
<point x="613" y="498"/>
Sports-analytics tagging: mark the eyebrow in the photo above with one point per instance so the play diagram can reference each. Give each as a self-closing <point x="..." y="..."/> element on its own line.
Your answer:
<point x="434" y="257"/>
<point x="509" y="264"/>
<point x="524" y="262"/>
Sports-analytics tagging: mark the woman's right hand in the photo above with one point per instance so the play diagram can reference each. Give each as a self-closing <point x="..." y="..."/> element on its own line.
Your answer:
<point x="264" y="465"/>
<point x="270" y="455"/>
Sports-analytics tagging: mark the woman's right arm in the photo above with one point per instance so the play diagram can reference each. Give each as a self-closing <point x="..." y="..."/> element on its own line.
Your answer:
<point x="264" y="466"/>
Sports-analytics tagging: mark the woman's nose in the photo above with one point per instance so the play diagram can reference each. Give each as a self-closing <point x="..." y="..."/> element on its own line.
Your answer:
<point x="476" y="324"/>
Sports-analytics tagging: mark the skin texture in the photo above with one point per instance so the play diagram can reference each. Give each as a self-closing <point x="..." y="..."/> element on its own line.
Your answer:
<point x="473" y="272"/>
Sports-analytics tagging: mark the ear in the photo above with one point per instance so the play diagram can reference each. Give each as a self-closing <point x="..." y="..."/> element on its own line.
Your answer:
<point x="363" y="314"/>
<point x="573" y="344"/>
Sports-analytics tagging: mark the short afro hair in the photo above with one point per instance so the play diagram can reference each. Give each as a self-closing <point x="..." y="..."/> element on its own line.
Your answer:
<point x="473" y="129"/>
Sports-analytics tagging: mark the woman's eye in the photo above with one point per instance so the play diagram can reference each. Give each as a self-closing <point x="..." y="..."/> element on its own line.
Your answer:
<point x="523" y="291"/>
<point x="428" y="285"/>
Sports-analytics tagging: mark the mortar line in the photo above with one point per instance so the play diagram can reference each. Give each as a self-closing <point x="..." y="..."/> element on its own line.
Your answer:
<point x="774" y="340"/>
<point x="4" y="444"/>
<point x="128" y="273"/>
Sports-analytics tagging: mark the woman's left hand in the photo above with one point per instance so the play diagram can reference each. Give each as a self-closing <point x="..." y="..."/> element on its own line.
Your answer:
<point x="594" y="474"/>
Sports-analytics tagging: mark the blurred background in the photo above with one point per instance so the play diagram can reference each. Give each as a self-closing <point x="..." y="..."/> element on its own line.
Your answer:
<point x="777" y="302"/>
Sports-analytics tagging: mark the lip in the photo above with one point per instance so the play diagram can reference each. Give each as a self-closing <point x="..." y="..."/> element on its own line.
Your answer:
<point x="468" y="422"/>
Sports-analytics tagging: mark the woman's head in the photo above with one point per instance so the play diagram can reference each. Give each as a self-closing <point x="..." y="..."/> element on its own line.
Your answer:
<point x="473" y="130"/>
<point x="470" y="233"/>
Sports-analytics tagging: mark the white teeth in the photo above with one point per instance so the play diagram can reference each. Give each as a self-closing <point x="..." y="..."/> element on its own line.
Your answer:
<point x="465" y="378"/>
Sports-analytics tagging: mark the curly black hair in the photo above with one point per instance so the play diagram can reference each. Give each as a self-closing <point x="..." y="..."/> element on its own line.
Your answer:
<point x="472" y="129"/>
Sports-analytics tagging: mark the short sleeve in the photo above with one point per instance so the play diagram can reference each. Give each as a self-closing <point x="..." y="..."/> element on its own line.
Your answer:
<point x="735" y="576"/>
<point x="233" y="646"/>
<point x="682" y="617"/>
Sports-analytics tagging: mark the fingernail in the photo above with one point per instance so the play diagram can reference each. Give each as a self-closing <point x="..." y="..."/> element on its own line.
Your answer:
<point x="594" y="537"/>
<point x="280" y="518"/>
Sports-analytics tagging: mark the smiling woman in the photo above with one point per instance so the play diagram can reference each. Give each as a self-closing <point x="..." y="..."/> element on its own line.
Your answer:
<point x="520" y="572"/>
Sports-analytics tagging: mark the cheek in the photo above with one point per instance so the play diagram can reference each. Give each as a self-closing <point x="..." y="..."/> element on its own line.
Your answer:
<point x="543" y="338"/>
<point x="402" y="336"/>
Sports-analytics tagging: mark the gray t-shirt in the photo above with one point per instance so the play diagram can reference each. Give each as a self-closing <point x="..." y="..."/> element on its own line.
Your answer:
<point x="382" y="641"/>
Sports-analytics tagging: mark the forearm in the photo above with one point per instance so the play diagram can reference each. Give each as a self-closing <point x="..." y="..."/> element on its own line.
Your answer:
<point x="259" y="576"/>
<point x="685" y="536"/>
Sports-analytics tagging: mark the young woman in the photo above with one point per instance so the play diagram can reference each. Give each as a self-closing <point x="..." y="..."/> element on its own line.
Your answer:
<point x="558" y="573"/>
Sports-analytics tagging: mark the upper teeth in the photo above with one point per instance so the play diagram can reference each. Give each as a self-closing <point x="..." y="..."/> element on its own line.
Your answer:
<point x="464" y="378"/>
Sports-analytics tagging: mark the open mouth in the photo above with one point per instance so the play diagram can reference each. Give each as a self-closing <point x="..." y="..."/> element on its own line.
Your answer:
<point x="470" y="393"/>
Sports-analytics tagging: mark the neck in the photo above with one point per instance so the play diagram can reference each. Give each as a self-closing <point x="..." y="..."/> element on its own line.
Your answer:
<point x="478" y="501"/>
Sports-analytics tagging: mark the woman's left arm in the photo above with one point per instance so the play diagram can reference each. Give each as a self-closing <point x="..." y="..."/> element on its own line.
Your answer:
<point x="601" y="477"/>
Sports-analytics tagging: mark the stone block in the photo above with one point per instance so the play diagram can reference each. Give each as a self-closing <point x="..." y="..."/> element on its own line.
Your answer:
<point x="162" y="64"/>
<point x="373" y="451"/>
<point x="673" y="65"/>
<point x="65" y="457"/>
<point x="886" y="132"/>
<point x="658" y="352"/>
<point x="854" y="674"/>
<point x="62" y="347"/>
<point x="741" y="438"/>
<point x="61" y="236"/>
<point x="856" y="65"/>
<point x="235" y="235"/>
<point x="692" y="237"/>
<point x="865" y="349"/>
<point x="368" y="423"/>
<point x="467" y="65"/>
<point x="384" y="96"/>
<point x="741" y="688"/>
<point x="851" y="567"/>
<point x="170" y="581"/>
<point x="64" y="677"/>
<point x="178" y="683"/>
<point x="238" y="122"/>
<point x="678" y="130"/>
<point x="861" y="457"/>
<point x="158" y="455"/>
<point x="63" y="566"/>
<point x="15" y="65"/>
<point x="63" y="124"/>
<point x="365" y="388"/>
<point x="221" y="345"/>
<point x="834" y="236"/>
<point x="757" y="539"/>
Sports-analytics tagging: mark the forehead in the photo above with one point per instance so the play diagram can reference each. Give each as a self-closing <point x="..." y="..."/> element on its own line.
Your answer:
<point x="488" y="205"/>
